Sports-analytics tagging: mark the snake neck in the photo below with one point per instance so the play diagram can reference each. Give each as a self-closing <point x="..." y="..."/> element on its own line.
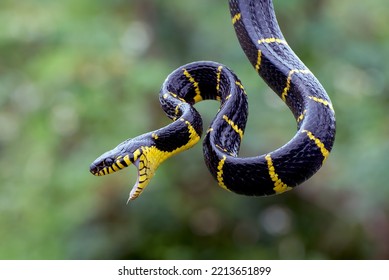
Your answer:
<point x="164" y="143"/>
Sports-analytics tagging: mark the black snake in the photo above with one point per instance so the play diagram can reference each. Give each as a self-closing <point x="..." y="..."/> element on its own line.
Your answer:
<point x="271" y="173"/>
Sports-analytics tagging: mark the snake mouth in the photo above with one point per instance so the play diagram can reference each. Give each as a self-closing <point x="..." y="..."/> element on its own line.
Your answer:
<point x="114" y="161"/>
<point x="141" y="152"/>
<point x="109" y="166"/>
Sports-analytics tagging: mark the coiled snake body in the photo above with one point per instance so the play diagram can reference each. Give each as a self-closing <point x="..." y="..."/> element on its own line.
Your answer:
<point x="272" y="173"/>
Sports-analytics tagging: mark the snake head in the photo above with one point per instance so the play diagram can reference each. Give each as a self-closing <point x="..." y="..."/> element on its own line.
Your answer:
<point x="139" y="151"/>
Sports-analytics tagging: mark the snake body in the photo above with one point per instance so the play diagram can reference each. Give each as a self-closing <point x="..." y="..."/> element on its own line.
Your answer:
<point x="275" y="172"/>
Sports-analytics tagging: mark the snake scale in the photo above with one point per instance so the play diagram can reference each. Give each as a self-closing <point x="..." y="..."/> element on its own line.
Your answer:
<point x="272" y="58"/>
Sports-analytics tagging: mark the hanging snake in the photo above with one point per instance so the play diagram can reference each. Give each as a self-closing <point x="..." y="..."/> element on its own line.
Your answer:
<point x="272" y="58"/>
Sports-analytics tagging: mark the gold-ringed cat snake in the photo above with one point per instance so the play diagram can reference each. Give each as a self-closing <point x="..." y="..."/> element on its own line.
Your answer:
<point x="272" y="173"/>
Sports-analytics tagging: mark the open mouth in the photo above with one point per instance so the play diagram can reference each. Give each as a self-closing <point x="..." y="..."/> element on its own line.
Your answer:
<point x="107" y="166"/>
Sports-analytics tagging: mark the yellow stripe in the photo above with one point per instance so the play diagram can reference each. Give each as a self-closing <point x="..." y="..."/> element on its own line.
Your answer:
<point x="218" y="74"/>
<point x="177" y="97"/>
<point x="322" y="101"/>
<point x="127" y="160"/>
<point x="239" y="84"/>
<point x="279" y="186"/>
<point x="136" y="154"/>
<point x="236" y="18"/>
<point x="289" y="79"/>
<point x="220" y="173"/>
<point x="121" y="166"/>
<point x="234" y="126"/>
<point x="301" y="117"/>
<point x="195" y="84"/>
<point x="193" y="136"/>
<point x="177" y="110"/>
<point x="115" y="167"/>
<point x="225" y="150"/>
<point x="318" y="143"/>
<point x="258" y="65"/>
<point x="272" y="40"/>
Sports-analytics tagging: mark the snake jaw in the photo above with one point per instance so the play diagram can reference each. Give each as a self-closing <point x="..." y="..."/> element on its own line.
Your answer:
<point x="146" y="161"/>
<point x="136" y="190"/>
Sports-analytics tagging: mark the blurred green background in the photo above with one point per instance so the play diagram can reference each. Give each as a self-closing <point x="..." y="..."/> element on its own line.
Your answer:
<point x="77" y="77"/>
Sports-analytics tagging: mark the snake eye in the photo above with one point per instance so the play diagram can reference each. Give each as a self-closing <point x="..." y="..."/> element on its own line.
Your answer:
<point x="108" y="161"/>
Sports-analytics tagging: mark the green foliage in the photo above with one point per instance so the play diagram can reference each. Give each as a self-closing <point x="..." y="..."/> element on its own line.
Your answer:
<point x="79" y="77"/>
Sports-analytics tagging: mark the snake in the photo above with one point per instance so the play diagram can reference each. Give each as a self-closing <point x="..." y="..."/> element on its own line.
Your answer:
<point x="274" y="172"/>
